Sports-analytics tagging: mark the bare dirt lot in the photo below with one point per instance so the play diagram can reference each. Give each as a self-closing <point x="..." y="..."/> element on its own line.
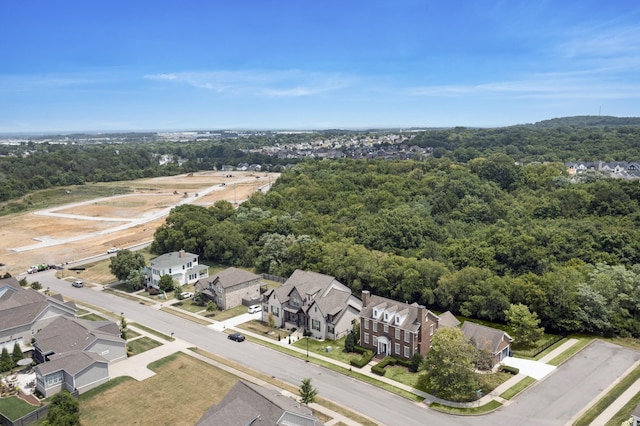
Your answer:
<point x="76" y="231"/>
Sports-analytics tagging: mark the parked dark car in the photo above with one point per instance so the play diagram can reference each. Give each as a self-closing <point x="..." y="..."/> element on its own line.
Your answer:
<point x="238" y="337"/>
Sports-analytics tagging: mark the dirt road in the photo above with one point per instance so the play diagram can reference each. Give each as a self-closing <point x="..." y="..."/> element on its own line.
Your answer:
<point x="74" y="231"/>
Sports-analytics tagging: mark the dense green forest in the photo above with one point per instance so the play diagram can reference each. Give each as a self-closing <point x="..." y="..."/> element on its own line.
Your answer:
<point x="33" y="166"/>
<point x="471" y="238"/>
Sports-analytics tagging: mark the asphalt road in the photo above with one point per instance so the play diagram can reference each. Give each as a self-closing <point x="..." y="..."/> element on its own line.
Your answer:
<point x="551" y="402"/>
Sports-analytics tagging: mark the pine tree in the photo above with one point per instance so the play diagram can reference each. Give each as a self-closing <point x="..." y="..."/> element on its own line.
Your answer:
<point x="6" y="363"/>
<point x="307" y="392"/>
<point x="17" y="354"/>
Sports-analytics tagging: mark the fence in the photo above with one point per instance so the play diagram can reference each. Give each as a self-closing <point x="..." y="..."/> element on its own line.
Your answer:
<point x="539" y="349"/>
<point x="273" y="278"/>
<point x="38" y="414"/>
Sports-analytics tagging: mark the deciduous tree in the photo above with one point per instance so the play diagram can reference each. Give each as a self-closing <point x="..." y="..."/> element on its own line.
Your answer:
<point x="525" y="325"/>
<point x="124" y="262"/>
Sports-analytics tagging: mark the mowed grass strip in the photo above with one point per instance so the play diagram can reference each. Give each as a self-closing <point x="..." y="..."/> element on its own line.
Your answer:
<point x="518" y="387"/>
<point x="180" y="392"/>
<point x="625" y="413"/>
<point x="589" y="416"/>
<point x="14" y="407"/>
<point x="141" y="345"/>
<point x="152" y="331"/>
<point x="486" y="408"/>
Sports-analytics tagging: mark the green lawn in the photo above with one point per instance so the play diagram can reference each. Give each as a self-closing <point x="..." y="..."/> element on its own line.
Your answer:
<point x="93" y="317"/>
<point x="132" y="334"/>
<point x="230" y="313"/>
<point x="319" y="347"/>
<point x="518" y="387"/>
<point x="402" y="374"/>
<point x="14" y="407"/>
<point x="142" y="344"/>
<point x="189" y="306"/>
<point x="486" y="408"/>
<point x="606" y="400"/>
<point x="152" y="331"/>
<point x="625" y="412"/>
<point x="263" y="329"/>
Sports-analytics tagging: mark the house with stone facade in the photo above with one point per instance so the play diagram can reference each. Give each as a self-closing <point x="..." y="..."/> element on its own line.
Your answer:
<point x="230" y="287"/>
<point x="312" y="301"/>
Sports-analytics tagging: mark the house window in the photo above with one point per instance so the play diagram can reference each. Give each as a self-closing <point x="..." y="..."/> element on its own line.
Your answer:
<point x="386" y="316"/>
<point x="366" y="323"/>
<point x="366" y="338"/>
<point x="169" y="270"/>
<point x="375" y="313"/>
<point x="54" y="378"/>
<point x="406" y="335"/>
<point x="315" y="324"/>
<point x="397" y="348"/>
<point x="386" y="328"/>
<point x="330" y="329"/>
<point x="406" y="351"/>
<point x="398" y="334"/>
<point x="397" y="320"/>
<point x="375" y="326"/>
<point x="375" y="341"/>
<point x="275" y="311"/>
<point x="431" y="330"/>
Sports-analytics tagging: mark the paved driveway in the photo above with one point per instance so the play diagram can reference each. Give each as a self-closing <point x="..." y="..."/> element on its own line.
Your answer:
<point x="536" y="369"/>
<point x="232" y="322"/>
<point x="565" y="392"/>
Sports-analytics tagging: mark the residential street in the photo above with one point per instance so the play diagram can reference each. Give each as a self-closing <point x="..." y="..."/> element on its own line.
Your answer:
<point x="563" y="393"/>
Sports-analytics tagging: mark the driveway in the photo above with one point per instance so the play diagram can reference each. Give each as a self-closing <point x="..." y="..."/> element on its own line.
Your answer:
<point x="536" y="369"/>
<point x="564" y="393"/>
<point x="232" y="322"/>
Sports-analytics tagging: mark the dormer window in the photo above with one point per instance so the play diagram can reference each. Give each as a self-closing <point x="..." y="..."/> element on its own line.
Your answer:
<point x="375" y="313"/>
<point x="397" y="319"/>
<point x="386" y="316"/>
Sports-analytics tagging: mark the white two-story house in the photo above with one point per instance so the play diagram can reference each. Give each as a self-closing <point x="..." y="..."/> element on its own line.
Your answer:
<point x="181" y="265"/>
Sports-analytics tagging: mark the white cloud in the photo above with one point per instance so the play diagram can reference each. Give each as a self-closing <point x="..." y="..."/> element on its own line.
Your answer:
<point x="293" y="83"/>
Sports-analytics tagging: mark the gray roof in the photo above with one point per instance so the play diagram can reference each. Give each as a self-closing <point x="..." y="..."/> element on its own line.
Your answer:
<point x="308" y="283"/>
<point x="233" y="276"/>
<point x="484" y="337"/>
<point x="448" y="320"/>
<point x="23" y="306"/>
<point x="173" y="259"/>
<point x="246" y="402"/>
<point x="71" y="362"/>
<point x="410" y="312"/>
<point x="69" y="334"/>
<point x="334" y="302"/>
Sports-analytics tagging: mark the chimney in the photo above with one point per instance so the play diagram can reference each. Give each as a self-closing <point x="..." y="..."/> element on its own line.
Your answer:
<point x="366" y="298"/>
<point x="422" y="315"/>
<point x="181" y="253"/>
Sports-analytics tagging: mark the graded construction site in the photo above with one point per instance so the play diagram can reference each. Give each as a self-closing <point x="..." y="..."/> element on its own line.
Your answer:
<point x="78" y="230"/>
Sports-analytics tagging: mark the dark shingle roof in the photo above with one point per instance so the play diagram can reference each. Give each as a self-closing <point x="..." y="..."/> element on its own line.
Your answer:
<point x="71" y="362"/>
<point x="246" y="402"/>
<point x="448" y="320"/>
<point x="69" y="334"/>
<point x="307" y="283"/>
<point x="234" y="276"/>
<point x="483" y="337"/>
<point x="409" y="312"/>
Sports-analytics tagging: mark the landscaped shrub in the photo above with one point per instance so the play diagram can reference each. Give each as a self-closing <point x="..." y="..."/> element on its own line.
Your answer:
<point x="367" y="356"/>
<point x="379" y="367"/>
<point x="511" y="370"/>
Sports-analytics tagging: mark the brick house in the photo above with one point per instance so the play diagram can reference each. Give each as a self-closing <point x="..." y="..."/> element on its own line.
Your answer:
<point x="230" y="287"/>
<point x="389" y="327"/>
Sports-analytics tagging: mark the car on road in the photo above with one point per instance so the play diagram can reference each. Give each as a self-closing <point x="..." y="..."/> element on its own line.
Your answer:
<point x="238" y="337"/>
<point x="113" y="250"/>
<point x="254" y="309"/>
<point x="78" y="283"/>
<point x="186" y="294"/>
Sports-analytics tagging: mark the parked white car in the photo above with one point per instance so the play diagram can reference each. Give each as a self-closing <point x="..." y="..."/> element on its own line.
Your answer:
<point x="186" y="294"/>
<point x="113" y="250"/>
<point x="255" y="309"/>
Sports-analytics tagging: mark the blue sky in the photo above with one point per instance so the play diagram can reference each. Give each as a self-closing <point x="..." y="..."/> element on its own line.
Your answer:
<point x="256" y="64"/>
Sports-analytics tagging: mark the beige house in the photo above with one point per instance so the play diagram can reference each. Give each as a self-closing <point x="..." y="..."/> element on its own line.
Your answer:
<point x="316" y="302"/>
<point x="230" y="287"/>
